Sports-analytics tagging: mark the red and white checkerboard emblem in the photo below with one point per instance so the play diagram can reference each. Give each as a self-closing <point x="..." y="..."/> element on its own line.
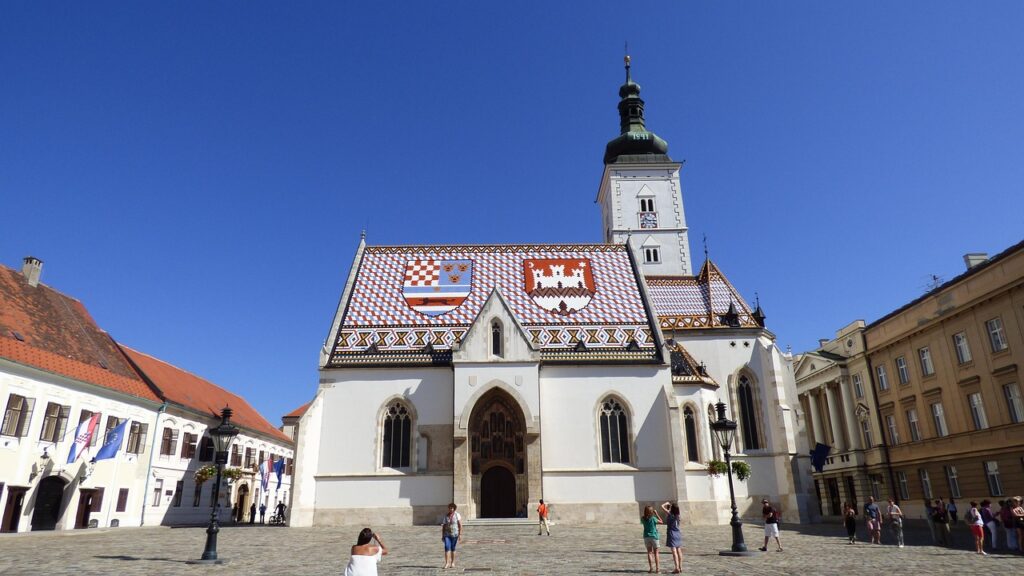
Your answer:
<point x="434" y="287"/>
<point x="560" y="285"/>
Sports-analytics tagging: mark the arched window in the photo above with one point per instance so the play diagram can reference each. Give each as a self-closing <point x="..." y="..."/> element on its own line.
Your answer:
<point x="690" y="423"/>
<point x="496" y="343"/>
<point x="716" y="448"/>
<point x="614" y="432"/>
<point x="397" y="436"/>
<point x="748" y="415"/>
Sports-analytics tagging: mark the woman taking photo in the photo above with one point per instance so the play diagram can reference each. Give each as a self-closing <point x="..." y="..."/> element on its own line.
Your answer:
<point x="673" y="535"/>
<point x="365" y="554"/>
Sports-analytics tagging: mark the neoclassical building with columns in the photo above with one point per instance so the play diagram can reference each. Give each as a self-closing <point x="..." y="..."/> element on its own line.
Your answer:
<point x="584" y="374"/>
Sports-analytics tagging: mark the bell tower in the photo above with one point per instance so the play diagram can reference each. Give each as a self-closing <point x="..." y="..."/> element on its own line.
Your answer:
<point x="640" y="196"/>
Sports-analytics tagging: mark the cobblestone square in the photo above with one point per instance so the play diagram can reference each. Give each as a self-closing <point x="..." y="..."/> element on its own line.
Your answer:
<point x="818" y="549"/>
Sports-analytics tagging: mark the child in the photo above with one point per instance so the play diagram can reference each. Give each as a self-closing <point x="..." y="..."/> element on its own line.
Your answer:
<point x="673" y="535"/>
<point x="650" y="520"/>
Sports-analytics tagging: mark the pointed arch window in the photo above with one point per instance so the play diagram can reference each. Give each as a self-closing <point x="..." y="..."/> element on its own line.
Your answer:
<point x="748" y="415"/>
<point x="497" y="345"/>
<point x="716" y="448"/>
<point x="614" y="432"/>
<point x="397" y="436"/>
<point x="690" y="423"/>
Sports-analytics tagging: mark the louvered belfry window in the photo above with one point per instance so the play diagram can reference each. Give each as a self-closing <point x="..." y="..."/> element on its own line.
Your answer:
<point x="397" y="436"/>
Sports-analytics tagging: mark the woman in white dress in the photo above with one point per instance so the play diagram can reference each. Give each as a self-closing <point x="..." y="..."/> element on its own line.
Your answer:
<point x="365" y="554"/>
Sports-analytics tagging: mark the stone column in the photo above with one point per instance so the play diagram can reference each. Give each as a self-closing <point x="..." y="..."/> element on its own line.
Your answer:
<point x="812" y="403"/>
<point x="835" y="422"/>
<point x="853" y="440"/>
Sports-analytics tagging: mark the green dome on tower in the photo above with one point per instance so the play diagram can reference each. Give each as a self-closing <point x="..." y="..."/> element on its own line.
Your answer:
<point x="635" y="144"/>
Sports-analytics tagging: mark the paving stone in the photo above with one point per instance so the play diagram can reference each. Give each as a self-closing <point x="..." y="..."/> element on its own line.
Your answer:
<point x="815" y="549"/>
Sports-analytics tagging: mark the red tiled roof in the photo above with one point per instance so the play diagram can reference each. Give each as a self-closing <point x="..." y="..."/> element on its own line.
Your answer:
<point x="298" y="412"/>
<point x="58" y="335"/>
<point x="189" y="390"/>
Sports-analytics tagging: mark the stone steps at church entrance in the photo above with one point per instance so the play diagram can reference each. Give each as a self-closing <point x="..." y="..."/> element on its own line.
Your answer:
<point x="498" y="522"/>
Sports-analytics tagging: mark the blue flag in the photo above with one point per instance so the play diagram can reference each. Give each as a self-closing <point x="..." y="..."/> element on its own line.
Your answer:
<point x="113" y="442"/>
<point x="279" y="469"/>
<point x="818" y="456"/>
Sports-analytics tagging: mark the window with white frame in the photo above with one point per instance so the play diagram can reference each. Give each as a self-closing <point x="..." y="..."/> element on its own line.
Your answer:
<point x="1014" y="403"/>
<point x="925" y="356"/>
<point x="397" y="436"/>
<point x="926" y="482"/>
<point x="55" y="420"/>
<point x="858" y="385"/>
<point x="901" y="479"/>
<point x="901" y="370"/>
<point x="912" y="425"/>
<point x="496" y="340"/>
<point x="996" y="336"/>
<point x="652" y="255"/>
<point x="963" y="349"/>
<point x="158" y="489"/>
<point x="883" y="378"/>
<point x="977" y="411"/>
<point x="865" y="429"/>
<point x="954" y="482"/>
<point x="647" y="204"/>
<point x="748" y="415"/>
<point x="995" y="487"/>
<point x="614" y="432"/>
<point x="939" y="419"/>
<point x="894" y="434"/>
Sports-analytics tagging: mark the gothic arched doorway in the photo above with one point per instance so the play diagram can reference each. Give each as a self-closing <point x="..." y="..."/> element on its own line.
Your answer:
<point x="49" y="497"/>
<point x="498" y="456"/>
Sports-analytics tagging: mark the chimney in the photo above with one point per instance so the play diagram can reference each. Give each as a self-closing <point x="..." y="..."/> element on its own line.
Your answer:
<point x="974" y="258"/>
<point x="31" y="269"/>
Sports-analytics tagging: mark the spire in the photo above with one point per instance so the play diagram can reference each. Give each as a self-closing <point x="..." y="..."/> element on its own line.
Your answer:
<point x="635" y="143"/>
<point x="758" y="314"/>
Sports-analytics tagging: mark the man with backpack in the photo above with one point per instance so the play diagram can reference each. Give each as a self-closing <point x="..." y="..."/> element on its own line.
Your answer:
<point x="771" y="525"/>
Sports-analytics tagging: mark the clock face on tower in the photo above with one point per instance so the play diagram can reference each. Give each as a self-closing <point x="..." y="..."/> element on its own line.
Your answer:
<point x="648" y="220"/>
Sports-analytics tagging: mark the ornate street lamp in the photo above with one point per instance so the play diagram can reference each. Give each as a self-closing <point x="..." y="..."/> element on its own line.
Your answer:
<point x="222" y="436"/>
<point x="725" y="431"/>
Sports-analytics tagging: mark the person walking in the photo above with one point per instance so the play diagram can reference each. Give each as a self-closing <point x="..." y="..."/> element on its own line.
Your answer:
<point x="990" y="523"/>
<point x="263" y="512"/>
<point x="365" y="555"/>
<point x="941" y="518"/>
<point x="252" y="513"/>
<point x="850" y="521"/>
<point x="977" y="525"/>
<point x="650" y="521"/>
<point x="1009" y="524"/>
<point x="951" y="509"/>
<point x="895" y="515"/>
<point x="673" y="535"/>
<point x="873" y="518"/>
<point x="542" y="515"/>
<point x="771" y="525"/>
<point x="451" y="534"/>
<point x="1018" y="521"/>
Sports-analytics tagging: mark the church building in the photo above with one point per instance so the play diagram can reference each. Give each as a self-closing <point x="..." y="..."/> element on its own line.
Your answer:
<point x="585" y="374"/>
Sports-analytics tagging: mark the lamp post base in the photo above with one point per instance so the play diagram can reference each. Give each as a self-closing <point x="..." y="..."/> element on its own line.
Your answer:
<point x="734" y="553"/>
<point x="217" y="561"/>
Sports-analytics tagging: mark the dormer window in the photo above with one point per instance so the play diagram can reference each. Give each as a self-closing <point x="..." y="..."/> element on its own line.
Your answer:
<point x="496" y="340"/>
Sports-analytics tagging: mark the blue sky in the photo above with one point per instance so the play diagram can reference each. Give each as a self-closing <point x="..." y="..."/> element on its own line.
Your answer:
<point x="198" y="173"/>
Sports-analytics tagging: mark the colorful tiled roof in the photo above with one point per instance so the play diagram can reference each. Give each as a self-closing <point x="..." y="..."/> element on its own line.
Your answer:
<point x="45" y="329"/>
<point x="701" y="301"/>
<point x="685" y="369"/>
<point x="414" y="300"/>
<point x="187" y="389"/>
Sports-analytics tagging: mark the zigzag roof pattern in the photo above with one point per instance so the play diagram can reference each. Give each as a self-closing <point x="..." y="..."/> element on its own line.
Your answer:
<point x="568" y="297"/>
<point x="701" y="301"/>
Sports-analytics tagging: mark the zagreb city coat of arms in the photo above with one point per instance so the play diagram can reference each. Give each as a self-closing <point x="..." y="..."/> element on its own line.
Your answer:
<point x="434" y="287"/>
<point x="560" y="285"/>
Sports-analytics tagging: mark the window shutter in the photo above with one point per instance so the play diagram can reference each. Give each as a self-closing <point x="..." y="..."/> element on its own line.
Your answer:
<point x="143" y="428"/>
<point x="122" y="500"/>
<point x="7" y="416"/>
<point x="26" y="416"/>
<point x="65" y="411"/>
<point x="184" y="446"/>
<point x="97" y="500"/>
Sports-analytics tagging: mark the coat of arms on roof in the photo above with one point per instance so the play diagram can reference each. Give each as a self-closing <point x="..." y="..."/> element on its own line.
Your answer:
<point x="434" y="287"/>
<point x="560" y="285"/>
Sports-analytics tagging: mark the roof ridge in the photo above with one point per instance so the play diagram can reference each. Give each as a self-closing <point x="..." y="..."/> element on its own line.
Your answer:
<point x="176" y="367"/>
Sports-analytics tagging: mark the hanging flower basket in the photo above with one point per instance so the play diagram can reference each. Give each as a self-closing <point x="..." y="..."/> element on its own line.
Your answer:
<point x="741" y="470"/>
<point x="716" y="468"/>
<point x="210" y="471"/>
